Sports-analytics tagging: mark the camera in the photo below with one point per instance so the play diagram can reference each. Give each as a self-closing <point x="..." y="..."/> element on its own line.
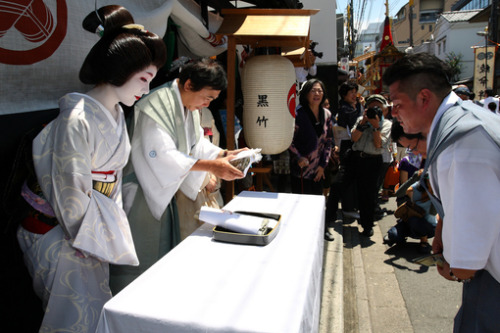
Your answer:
<point x="374" y="111"/>
<point x="312" y="47"/>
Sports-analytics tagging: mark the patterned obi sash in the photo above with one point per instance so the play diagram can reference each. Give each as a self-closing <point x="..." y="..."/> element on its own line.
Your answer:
<point x="40" y="217"/>
<point x="104" y="181"/>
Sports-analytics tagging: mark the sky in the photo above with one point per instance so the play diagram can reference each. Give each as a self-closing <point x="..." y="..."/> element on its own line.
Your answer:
<point x="374" y="10"/>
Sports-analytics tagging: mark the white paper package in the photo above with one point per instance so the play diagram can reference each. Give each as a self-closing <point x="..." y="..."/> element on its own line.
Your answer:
<point x="241" y="223"/>
<point x="246" y="158"/>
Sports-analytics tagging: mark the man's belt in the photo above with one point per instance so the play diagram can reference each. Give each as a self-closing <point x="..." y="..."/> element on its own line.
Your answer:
<point x="366" y="155"/>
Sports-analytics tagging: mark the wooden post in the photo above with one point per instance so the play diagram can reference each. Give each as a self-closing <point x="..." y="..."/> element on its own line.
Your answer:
<point x="231" y="93"/>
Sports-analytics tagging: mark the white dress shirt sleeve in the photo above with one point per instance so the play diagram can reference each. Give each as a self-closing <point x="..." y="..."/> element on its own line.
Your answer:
<point x="469" y="185"/>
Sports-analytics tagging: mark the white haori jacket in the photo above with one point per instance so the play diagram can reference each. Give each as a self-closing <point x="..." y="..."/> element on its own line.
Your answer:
<point x="168" y="140"/>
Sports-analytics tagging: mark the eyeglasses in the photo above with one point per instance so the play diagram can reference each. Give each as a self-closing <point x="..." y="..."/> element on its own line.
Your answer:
<point x="314" y="91"/>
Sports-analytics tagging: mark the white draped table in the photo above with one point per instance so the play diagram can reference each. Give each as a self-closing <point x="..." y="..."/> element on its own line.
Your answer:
<point x="207" y="286"/>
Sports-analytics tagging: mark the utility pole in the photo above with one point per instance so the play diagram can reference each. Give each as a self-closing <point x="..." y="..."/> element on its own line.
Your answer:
<point x="493" y="34"/>
<point x="410" y="5"/>
<point x="352" y="45"/>
<point x="493" y="27"/>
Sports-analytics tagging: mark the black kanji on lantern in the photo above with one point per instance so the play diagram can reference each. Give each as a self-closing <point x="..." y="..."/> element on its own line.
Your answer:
<point x="262" y="102"/>
<point x="261" y="120"/>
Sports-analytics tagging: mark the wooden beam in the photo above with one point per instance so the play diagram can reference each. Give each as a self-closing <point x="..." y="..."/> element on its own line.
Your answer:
<point x="231" y="93"/>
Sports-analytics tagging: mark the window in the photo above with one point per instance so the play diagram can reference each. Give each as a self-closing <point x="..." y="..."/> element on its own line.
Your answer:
<point x="439" y="49"/>
<point x="444" y="46"/>
<point x="430" y="27"/>
<point x="427" y="16"/>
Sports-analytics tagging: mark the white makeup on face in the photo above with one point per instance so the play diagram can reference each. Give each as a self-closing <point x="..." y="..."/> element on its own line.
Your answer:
<point x="136" y="86"/>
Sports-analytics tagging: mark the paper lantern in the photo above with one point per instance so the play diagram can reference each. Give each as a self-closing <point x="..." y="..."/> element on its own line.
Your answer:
<point x="269" y="92"/>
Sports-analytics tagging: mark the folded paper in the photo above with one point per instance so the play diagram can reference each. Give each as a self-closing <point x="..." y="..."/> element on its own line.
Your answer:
<point x="245" y="158"/>
<point x="241" y="223"/>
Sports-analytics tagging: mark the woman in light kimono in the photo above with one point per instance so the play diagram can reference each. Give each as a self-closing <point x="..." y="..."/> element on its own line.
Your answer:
<point x="77" y="225"/>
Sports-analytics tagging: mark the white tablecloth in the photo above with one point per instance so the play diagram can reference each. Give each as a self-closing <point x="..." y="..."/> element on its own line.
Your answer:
<point x="207" y="286"/>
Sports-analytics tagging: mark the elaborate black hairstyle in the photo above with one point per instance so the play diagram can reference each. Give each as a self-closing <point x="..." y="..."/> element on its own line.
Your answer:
<point x="204" y="73"/>
<point x="306" y="88"/>
<point x="124" y="49"/>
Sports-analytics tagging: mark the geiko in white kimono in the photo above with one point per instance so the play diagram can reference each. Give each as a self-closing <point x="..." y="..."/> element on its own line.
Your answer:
<point x="167" y="141"/>
<point x="70" y="263"/>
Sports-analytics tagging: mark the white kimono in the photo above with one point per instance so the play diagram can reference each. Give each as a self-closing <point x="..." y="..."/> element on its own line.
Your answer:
<point x="162" y="162"/>
<point x="166" y="143"/>
<point x="70" y="263"/>
<point x="188" y="208"/>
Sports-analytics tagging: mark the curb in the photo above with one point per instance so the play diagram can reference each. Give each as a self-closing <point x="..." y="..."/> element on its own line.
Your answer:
<point x="362" y="301"/>
<point x="332" y="299"/>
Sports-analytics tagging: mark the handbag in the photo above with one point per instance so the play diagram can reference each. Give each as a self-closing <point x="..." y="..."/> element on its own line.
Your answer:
<point x="409" y="209"/>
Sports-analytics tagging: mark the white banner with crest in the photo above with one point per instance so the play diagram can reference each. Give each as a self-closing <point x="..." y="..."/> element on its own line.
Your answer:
<point x="484" y="64"/>
<point x="43" y="44"/>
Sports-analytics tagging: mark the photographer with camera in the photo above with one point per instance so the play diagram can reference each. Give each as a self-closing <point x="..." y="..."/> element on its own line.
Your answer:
<point x="369" y="135"/>
<point x="303" y="73"/>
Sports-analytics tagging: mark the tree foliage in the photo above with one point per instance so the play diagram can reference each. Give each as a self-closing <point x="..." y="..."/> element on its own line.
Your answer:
<point x="454" y="60"/>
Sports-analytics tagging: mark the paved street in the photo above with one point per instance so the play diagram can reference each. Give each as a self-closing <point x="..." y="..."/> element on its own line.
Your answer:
<point x="383" y="290"/>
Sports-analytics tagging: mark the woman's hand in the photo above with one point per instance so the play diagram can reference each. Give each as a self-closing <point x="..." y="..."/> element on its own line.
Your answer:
<point x="212" y="184"/>
<point x="320" y="174"/>
<point x="225" y="153"/>
<point x="303" y="162"/>
<point x="236" y="151"/>
<point x="375" y="122"/>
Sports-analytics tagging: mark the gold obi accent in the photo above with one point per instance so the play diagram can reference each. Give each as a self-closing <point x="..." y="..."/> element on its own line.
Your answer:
<point x="103" y="187"/>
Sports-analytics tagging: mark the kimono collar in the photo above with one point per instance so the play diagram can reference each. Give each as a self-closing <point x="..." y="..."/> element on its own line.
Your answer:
<point x="164" y="106"/>
<point x="454" y="123"/>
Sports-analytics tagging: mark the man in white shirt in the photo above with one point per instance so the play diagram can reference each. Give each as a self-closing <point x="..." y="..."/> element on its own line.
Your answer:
<point x="302" y="73"/>
<point x="463" y="150"/>
<point x="489" y="96"/>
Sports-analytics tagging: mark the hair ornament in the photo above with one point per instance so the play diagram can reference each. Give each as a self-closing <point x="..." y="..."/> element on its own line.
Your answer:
<point x="134" y="26"/>
<point x="100" y="30"/>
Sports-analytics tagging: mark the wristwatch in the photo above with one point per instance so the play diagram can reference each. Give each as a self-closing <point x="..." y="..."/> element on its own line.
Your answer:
<point x="362" y="127"/>
<point x="457" y="279"/>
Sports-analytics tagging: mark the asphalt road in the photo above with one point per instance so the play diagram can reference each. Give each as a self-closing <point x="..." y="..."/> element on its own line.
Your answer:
<point x="431" y="300"/>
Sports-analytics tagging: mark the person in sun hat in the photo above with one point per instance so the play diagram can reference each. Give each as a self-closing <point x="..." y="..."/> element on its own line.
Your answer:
<point x="463" y="92"/>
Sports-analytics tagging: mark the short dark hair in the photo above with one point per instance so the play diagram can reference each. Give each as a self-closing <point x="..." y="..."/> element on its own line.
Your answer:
<point x="122" y="50"/>
<point x="489" y="92"/>
<point x="418" y="71"/>
<point x="307" y="87"/>
<point x="397" y="132"/>
<point x="346" y="87"/>
<point x="492" y="106"/>
<point x="204" y="73"/>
